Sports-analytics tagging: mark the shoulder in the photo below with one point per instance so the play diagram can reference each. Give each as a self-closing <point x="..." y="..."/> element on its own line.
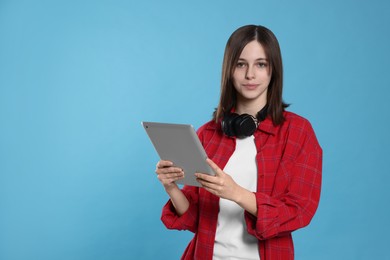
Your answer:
<point x="208" y="126"/>
<point x="300" y="129"/>
<point x="295" y="118"/>
<point x="209" y="129"/>
<point x="295" y="121"/>
<point x="291" y="121"/>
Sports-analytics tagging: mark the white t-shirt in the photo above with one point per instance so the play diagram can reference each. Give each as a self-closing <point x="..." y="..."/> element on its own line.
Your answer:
<point x="232" y="241"/>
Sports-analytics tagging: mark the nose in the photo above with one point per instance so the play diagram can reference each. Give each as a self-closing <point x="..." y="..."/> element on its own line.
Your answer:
<point x="250" y="73"/>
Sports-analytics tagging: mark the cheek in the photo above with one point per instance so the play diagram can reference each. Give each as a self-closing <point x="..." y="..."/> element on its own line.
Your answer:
<point x="266" y="76"/>
<point x="238" y="75"/>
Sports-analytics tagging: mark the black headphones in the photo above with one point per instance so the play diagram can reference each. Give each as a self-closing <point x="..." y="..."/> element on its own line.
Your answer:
<point x="242" y="125"/>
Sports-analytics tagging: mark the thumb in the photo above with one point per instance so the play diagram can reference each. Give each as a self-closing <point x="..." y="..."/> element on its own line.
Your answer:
<point x="215" y="167"/>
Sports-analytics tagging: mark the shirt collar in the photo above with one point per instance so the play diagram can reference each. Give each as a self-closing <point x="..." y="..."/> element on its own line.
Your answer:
<point x="267" y="126"/>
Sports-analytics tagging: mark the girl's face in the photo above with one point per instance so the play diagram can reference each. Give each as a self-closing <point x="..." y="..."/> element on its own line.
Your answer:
<point x="252" y="75"/>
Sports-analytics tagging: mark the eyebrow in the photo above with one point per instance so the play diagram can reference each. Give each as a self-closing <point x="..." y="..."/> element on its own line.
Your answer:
<point x="259" y="59"/>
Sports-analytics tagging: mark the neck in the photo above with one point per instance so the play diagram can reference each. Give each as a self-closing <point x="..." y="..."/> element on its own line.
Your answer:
<point x="249" y="109"/>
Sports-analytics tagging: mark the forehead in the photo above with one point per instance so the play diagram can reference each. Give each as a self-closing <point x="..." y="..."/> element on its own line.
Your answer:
<point x="253" y="50"/>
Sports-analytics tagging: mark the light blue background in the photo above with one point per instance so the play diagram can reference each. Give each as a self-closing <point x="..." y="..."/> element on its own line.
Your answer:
<point x="77" y="174"/>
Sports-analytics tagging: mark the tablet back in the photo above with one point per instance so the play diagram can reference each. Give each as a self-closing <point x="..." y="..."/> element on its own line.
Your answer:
<point x="180" y="144"/>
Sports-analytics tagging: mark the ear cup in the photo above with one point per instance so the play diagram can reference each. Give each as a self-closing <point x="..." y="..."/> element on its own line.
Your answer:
<point x="228" y="124"/>
<point x="244" y="125"/>
<point x="239" y="125"/>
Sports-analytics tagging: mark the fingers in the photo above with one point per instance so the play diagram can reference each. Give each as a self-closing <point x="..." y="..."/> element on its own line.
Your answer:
<point x="212" y="183"/>
<point x="167" y="173"/>
<point x="170" y="178"/>
<point x="207" y="178"/>
<point x="221" y="184"/>
<point x="162" y="164"/>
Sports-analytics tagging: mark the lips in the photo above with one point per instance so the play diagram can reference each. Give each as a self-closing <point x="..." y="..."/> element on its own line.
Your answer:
<point x="250" y="86"/>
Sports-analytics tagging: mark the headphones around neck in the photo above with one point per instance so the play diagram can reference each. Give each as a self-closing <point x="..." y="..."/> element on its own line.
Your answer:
<point x="242" y="125"/>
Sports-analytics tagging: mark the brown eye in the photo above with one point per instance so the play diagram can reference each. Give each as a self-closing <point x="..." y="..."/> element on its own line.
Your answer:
<point x="240" y="65"/>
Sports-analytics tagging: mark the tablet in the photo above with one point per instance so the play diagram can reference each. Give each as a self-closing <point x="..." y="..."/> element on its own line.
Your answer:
<point x="180" y="144"/>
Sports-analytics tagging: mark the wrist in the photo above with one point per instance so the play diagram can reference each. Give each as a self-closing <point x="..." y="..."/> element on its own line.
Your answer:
<point x="247" y="200"/>
<point x="238" y="195"/>
<point x="170" y="187"/>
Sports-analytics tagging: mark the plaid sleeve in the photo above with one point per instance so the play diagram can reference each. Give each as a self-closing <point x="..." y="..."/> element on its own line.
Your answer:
<point x="187" y="221"/>
<point x="296" y="193"/>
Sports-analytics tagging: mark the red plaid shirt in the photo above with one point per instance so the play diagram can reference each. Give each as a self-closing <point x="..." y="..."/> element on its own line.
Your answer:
<point x="289" y="163"/>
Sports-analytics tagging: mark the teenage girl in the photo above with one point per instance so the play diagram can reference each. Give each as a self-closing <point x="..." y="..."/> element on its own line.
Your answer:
<point x="267" y="162"/>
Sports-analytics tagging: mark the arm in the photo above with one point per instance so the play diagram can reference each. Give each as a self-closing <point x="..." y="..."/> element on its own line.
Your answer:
<point x="189" y="219"/>
<point x="178" y="199"/>
<point x="180" y="212"/>
<point x="167" y="174"/>
<point x="247" y="200"/>
<point x="295" y="196"/>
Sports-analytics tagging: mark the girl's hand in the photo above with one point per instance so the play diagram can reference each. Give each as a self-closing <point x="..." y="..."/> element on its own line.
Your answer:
<point x="221" y="185"/>
<point x="167" y="173"/>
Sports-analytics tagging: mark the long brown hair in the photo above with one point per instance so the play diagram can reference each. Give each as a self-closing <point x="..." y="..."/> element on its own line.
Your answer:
<point x="236" y="43"/>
